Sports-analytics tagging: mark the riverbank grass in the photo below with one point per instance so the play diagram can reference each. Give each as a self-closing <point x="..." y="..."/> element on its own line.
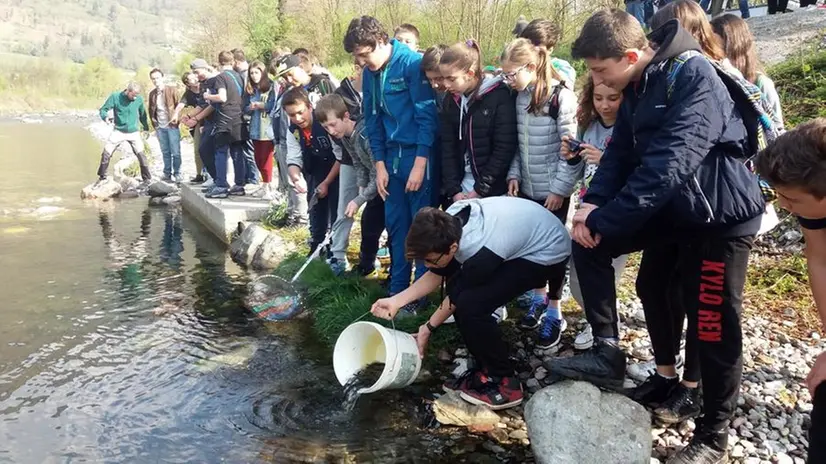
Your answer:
<point x="336" y="302"/>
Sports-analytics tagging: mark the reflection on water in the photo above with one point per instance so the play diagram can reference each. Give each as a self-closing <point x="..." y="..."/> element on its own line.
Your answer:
<point x="123" y="339"/>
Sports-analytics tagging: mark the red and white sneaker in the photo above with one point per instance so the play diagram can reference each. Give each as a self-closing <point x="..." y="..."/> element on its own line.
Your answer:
<point x="463" y="381"/>
<point x="494" y="392"/>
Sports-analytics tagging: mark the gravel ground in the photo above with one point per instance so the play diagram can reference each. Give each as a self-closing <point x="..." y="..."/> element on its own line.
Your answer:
<point x="780" y="36"/>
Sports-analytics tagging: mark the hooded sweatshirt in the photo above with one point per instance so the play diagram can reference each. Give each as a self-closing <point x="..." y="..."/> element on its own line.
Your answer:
<point x="678" y="159"/>
<point x="358" y="146"/>
<point x="489" y="237"/>
<point x="399" y="107"/>
<point x="478" y="133"/>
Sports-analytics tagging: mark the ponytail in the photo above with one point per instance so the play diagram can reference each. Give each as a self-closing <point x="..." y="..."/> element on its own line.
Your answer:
<point x="465" y="56"/>
<point x="523" y="52"/>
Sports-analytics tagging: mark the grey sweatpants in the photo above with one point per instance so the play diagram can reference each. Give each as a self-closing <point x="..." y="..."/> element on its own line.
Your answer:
<point x="347" y="191"/>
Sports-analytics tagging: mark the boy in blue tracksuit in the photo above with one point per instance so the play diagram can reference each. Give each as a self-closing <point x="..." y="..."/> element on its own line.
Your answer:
<point x="400" y="115"/>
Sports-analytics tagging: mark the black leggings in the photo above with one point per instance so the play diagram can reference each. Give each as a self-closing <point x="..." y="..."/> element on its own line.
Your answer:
<point x="556" y="282"/>
<point x="817" y="434"/>
<point x="475" y="304"/>
<point x="659" y="289"/>
<point x="713" y="276"/>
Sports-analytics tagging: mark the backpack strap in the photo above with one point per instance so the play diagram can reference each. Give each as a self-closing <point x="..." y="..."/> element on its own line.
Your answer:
<point x="553" y="103"/>
<point x="237" y="85"/>
<point x="674" y="66"/>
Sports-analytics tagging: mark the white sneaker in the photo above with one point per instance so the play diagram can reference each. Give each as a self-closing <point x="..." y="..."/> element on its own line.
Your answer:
<point x="208" y="184"/>
<point x="643" y="370"/>
<point x="259" y="193"/>
<point x="585" y="339"/>
<point x="500" y="314"/>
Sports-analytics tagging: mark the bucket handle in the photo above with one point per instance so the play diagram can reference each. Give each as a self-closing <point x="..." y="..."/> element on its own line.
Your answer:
<point x="395" y="340"/>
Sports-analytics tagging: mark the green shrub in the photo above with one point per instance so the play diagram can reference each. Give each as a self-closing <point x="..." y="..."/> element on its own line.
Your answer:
<point x="801" y="83"/>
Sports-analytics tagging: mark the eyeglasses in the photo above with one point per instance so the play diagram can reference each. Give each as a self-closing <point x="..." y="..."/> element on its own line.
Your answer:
<point x="436" y="261"/>
<point x="509" y="77"/>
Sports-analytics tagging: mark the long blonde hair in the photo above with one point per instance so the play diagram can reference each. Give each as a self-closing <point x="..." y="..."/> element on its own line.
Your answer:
<point x="523" y="52"/>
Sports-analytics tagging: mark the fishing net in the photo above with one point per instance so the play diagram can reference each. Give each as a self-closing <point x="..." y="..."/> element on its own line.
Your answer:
<point x="273" y="298"/>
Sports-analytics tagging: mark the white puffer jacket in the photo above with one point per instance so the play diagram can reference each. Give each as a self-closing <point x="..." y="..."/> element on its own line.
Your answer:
<point x="538" y="166"/>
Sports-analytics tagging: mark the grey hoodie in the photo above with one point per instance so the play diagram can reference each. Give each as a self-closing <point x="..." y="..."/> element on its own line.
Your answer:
<point x="358" y="146"/>
<point x="490" y="238"/>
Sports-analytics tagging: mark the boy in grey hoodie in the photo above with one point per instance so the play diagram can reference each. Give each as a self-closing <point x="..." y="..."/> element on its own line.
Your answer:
<point x="485" y="262"/>
<point x="357" y="182"/>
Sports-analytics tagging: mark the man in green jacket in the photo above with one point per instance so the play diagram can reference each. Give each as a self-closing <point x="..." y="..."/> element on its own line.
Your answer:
<point x="127" y="108"/>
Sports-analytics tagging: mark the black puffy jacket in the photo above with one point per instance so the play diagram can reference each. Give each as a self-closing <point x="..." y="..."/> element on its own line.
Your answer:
<point x="676" y="159"/>
<point x="488" y="134"/>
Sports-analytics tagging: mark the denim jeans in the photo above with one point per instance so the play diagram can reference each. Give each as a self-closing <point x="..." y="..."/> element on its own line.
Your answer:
<point x="705" y="4"/>
<point x="170" y="140"/>
<point x="744" y="9"/>
<point x="223" y="151"/>
<point x="636" y="9"/>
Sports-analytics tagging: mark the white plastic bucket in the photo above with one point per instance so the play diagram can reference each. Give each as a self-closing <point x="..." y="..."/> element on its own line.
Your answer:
<point x="364" y="343"/>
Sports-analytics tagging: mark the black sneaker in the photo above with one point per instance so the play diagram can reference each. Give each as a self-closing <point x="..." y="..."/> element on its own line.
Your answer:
<point x="704" y="448"/>
<point x="603" y="365"/>
<point x="199" y="179"/>
<point x="654" y="391"/>
<point x="462" y="382"/>
<point x="683" y="404"/>
<point x="237" y="190"/>
<point x="550" y="332"/>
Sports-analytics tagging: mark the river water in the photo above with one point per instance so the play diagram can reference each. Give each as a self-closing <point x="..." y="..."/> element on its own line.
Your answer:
<point x="122" y="337"/>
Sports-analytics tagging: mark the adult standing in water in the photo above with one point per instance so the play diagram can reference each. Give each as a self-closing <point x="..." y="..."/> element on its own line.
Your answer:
<point x="127" y="108"/>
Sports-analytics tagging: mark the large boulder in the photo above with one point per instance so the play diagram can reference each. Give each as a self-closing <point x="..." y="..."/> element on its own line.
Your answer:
<point x="161" y="189"/>
<point x="260" y="248"/>
<point x="574" y="422"/>
<point x="101" y="190"/>
<point x="451" y="409"/>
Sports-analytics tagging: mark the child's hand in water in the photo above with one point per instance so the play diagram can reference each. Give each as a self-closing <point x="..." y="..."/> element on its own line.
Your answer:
<point x="385" y="308"/>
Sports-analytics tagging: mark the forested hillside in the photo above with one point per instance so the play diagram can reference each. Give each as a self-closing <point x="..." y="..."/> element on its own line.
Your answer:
<point x="128" y="33"/>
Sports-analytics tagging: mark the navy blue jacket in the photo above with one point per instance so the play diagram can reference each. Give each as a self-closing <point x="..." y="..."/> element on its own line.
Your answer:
<point x="676" y="160"/>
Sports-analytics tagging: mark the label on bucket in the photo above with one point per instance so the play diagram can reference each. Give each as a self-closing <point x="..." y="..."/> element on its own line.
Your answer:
<point x="406" y="370"/>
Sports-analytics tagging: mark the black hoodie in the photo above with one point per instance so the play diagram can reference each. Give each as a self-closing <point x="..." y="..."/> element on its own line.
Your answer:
<point x="676" y="159"/>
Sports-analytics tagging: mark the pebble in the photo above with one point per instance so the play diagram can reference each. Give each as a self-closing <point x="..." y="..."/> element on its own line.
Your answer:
<point x="519" y="435"/>
<point x="738" y="451"/>
<point x="540" y="373"/>
<point x="533" y="385"/>
<point x="493" y="447"/>
<point x="499" y="435"/>
<point x="783" y="458"/>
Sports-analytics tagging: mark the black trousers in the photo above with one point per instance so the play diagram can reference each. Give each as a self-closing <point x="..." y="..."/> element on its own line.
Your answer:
<point x="660" y="291"/>
<point x="817" y="434"/>
<point x="324" y="213"/>
<point x="556" y="281"/>
<point x="475" y="304"/>
<point x="713" y="277"/>
<point x="805" y="3"/>
<point x="777" y="6"/>
<point x="372" y="225"/>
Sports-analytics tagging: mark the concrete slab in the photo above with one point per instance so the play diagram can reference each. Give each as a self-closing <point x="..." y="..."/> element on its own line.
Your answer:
<point x="222" y="216"/>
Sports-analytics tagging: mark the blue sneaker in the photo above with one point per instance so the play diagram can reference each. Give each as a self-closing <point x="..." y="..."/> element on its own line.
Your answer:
<point x="532" y="318"/>
<point x="338" y="267"/>
<point x="524" y="300"/>
<point x="217" y="192"/>
<point x="551" y="332"/>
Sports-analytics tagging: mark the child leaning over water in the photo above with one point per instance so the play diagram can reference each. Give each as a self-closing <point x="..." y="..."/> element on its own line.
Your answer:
<point x="545" y="112"/>
<point x="597" y="113"/>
